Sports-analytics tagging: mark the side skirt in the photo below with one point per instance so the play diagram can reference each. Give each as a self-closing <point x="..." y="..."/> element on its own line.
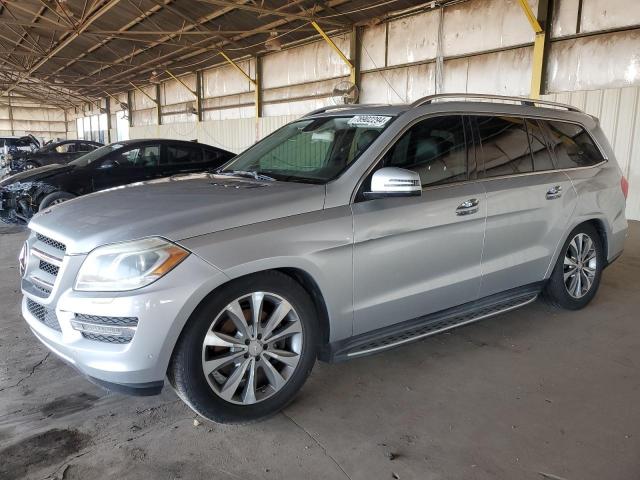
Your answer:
<point x="425" y="326"/>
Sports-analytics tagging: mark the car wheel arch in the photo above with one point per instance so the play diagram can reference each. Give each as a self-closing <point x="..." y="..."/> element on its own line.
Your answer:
<point x="596" y="222"/>
<point x="300" y="276"/>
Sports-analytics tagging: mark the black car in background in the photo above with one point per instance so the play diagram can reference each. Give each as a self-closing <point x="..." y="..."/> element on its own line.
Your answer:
<point x="120" y="163"/>
<point x="56" y="152"/>
<point x="15" y="147"/>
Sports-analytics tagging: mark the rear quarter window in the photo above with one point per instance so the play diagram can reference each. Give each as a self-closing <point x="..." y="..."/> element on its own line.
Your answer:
<point x="571" y="145"/>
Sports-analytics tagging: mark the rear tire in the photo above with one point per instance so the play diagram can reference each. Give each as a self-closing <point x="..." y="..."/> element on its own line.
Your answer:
<point x="54" y="198"/>
<point x="576" y="275"/>
<point x="230" y="369"/>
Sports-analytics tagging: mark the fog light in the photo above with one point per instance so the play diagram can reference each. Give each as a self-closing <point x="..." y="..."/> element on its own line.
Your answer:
<point x="102" y="329"/>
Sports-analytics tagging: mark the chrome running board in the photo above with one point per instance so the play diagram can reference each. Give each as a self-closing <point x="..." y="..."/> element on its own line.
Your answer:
<point x="417" y="329"/>
<point x="435" y="331"/>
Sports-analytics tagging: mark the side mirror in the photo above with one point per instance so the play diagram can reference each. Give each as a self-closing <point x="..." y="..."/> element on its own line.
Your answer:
<point x="394" y="182"/>
<point x="108" y="164"/>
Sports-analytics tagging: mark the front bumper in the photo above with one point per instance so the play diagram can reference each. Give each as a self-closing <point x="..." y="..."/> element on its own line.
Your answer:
<point x="161" y="309"/>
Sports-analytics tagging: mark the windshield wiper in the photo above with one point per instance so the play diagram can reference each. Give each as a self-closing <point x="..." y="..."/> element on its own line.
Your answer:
<point x="247" y="173"/>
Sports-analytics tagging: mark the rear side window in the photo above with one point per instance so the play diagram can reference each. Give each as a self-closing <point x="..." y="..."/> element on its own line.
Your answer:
<point x="539" y="151"/>
<point x="504" y="146"/>
<point x="571" y="145"/>
<point x="86" y="147"/>
<point x="215" y="156"/>
<point x="434" y="148"/>
<point x="183" y="155"/>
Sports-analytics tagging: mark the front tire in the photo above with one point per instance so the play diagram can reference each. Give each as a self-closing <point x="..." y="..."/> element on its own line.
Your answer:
<point x="54" y="198"/>
<point x="247" y="350"/>
<point x="576" y="275"/>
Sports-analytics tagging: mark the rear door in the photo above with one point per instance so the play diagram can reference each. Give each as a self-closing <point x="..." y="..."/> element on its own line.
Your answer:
<point x="528" y="201"/>
<point x="417" y="255"/>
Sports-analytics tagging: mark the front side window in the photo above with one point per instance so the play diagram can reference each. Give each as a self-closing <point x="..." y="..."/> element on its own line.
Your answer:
<point x="504" y="146"/>
<point x="434" y="148"/>
<point x="312" y="150"/>
<point x="65" y="148"/>
<point x="139" y="157"/>
<point x="571" y="144"/>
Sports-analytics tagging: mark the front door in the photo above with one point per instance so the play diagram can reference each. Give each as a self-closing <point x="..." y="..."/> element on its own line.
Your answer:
<point x="418" y="255"/>
<point x="128" y="165"/>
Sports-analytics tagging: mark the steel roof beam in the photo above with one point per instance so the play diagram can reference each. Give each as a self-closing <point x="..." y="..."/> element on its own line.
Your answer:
<point x="92" y="17"/>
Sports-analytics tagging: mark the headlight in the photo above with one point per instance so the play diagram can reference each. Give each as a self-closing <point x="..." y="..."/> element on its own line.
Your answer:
<point x="127" y="266"/>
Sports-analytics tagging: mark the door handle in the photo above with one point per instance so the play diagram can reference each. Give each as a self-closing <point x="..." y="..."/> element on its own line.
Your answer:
<point x="468" y="207"/>
<point x="554" y="192"/>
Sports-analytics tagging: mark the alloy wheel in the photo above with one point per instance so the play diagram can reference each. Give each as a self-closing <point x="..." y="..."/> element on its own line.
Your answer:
<point x="580" y="265"/>
<point x="252" y="348"/>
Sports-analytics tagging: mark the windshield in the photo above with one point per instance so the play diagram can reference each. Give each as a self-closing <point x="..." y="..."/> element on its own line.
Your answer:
<point x="310" y="150"/>
<point x="97" y="154"/>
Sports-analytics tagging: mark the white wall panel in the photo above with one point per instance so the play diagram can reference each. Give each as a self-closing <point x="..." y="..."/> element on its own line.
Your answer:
<point x="482" y="25"/>
<point x="307" y="63"/>
<point x="142" y="101"/>
<point x="414" y="38"/>
<point x="398" y="85"/>
<point x="227" y="80"/>
<point x="601" y="15"/>
<point x="172" y="91"/>
<point x="295" y="107"/>
<point x="372" y="51"/>
<point x="565" y="18"/>
<point x="595" y="62"/>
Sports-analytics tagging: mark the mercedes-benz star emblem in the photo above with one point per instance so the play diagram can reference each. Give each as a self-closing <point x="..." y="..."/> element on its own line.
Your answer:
<point x="22" y="259"/>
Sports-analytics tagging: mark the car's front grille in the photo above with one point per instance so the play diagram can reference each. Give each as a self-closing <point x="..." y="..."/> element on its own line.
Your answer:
<point x="49" y="268"/>
<point x="52" y="243"/>
<point x="106" y="338"/>
<point x="100" y="320"/>
<point x="44" y="314"/>
<point x="42" y="271"/>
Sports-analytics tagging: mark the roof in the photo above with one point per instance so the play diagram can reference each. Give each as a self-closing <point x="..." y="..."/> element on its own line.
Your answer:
<point x="461" y="102"/>
<point x="72" y="51"/>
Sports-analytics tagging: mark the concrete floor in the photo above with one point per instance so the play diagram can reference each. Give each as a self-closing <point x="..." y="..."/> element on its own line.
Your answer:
<point x="532" y="394"/>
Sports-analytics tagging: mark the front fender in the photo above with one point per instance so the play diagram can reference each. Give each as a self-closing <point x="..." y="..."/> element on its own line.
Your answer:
<point x="318" y="243"/>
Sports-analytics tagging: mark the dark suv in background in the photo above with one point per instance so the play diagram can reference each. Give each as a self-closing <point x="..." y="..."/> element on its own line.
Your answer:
<point x="120" y="163"/>
<point x="56" y="152"/>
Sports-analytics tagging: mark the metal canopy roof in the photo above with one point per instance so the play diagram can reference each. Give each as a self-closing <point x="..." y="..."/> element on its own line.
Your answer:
<point x="66" y="52"/>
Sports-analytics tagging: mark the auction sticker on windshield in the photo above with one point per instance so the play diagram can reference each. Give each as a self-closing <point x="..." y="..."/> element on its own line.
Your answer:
<point x="372" y="121"/>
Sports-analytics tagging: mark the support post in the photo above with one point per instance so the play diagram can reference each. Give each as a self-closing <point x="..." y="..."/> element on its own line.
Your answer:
<point x="158" y="104"/>
<point x="335" y="48"/>
<point x="354" y="51"/>
<point x="107" y="103"/>
<point x="539" y="24"/>
<point x="258" y="86"/>
<point x="199" y="96"/>
<point x="11" y="114"/>
<point x="130" y="104"/>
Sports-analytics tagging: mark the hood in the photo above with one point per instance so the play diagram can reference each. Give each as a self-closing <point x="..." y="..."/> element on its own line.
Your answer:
<point x="37" y="174"/>
<point x="176" y="208"/>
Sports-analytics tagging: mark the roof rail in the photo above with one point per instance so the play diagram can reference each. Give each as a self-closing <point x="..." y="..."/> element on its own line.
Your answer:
<point x="346" y="106"/>
<point x="532" y="102"/>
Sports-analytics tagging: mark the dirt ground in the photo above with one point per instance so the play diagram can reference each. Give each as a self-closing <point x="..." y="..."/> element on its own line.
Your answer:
<point x="536" y="393"/>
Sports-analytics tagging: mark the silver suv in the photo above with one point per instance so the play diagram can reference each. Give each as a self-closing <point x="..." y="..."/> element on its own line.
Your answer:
<point x="350" y="231"/>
